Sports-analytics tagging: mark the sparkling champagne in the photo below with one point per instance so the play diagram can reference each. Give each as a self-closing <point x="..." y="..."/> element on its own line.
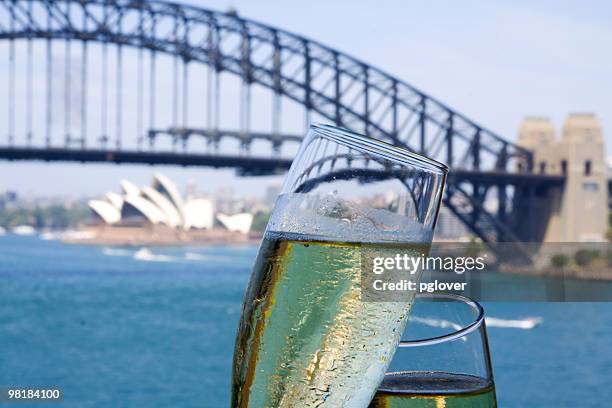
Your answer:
<point x="434" y="390"/>
<point x="306" y="338"/>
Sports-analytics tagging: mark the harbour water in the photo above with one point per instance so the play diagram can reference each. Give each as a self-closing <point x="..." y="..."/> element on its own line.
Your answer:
<point x="156" y="327"/>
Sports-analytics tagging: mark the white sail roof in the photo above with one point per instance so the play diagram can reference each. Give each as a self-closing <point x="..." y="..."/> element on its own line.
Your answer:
<point x="166" y="187"/>
<point x="146" y="208"/>
<point x="198" y="213"/>
<point x="237" y="222"/>
<point x="172" y="214"/>
<point x="115" y="199"/>
<point x="105" y="210"/>
<point x="129" y="188"/>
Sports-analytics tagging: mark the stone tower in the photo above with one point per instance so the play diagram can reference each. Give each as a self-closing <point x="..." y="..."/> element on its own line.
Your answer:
<point x="578" y="212"/>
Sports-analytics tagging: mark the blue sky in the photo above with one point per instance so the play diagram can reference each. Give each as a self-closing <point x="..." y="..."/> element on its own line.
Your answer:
<point x="494" y="61"/>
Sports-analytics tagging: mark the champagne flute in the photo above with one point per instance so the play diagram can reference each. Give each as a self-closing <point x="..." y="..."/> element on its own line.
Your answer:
<point x="306" y="338"/>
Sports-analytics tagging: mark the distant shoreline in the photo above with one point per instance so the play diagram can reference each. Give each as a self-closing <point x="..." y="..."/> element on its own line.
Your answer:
<point x="586" y="273"/>
<point x="157" y="236"/>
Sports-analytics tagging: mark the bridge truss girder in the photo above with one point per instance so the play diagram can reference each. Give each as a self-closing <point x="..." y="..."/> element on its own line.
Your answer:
<point x="339" y="87"/>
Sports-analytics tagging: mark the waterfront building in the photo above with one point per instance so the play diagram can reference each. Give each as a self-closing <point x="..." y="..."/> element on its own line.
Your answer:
<point x="272" y="192"/>
<point x="198" y="213"/>
<point x="158" y="204"/>
<point x="236" y="223"/>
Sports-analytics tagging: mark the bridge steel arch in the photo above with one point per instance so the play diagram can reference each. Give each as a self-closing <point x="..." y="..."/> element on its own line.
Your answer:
<point x="345" y="90"/>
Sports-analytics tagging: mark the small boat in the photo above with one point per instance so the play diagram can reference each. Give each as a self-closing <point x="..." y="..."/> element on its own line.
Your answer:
<point x="145" y="254"/>
<point x="48" y="236"/>
<point x="24" y="230"/>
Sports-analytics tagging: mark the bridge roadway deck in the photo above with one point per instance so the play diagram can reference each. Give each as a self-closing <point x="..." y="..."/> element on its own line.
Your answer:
<point x="245" y="165"/>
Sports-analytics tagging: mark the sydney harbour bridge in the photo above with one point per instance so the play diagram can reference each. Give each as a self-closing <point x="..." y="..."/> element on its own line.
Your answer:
<point x="154" y="82"/>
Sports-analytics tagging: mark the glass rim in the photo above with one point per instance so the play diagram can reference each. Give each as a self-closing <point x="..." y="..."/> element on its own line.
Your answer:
<point x="464" y="331"/>
<point x="388" y="151"/>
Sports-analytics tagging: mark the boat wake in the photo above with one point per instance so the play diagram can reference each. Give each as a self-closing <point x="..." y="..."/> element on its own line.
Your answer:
<point x="116" y="252"/>
<point x="526" y="323"/>
<point x="194" y="256"/>
<point x="197" y="257"/>
<point x="443" y="324"/>
<point x="144" y="254"/>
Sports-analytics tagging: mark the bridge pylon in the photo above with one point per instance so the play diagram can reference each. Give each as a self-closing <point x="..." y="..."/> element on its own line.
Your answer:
<point x="576" y="211"/>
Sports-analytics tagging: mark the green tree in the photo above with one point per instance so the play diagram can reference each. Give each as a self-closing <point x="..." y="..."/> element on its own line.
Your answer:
<point x="559" y="261"/>
<point x="53" y="216"/>
<point x="584" y="257"/>
<point x="609" y="258"/>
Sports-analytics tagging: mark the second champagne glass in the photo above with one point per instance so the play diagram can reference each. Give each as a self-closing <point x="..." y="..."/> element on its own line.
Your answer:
<point x="443" y="360"/>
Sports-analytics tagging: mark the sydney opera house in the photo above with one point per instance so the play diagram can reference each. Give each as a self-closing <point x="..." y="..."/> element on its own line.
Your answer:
<point x="159" y="214"/>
